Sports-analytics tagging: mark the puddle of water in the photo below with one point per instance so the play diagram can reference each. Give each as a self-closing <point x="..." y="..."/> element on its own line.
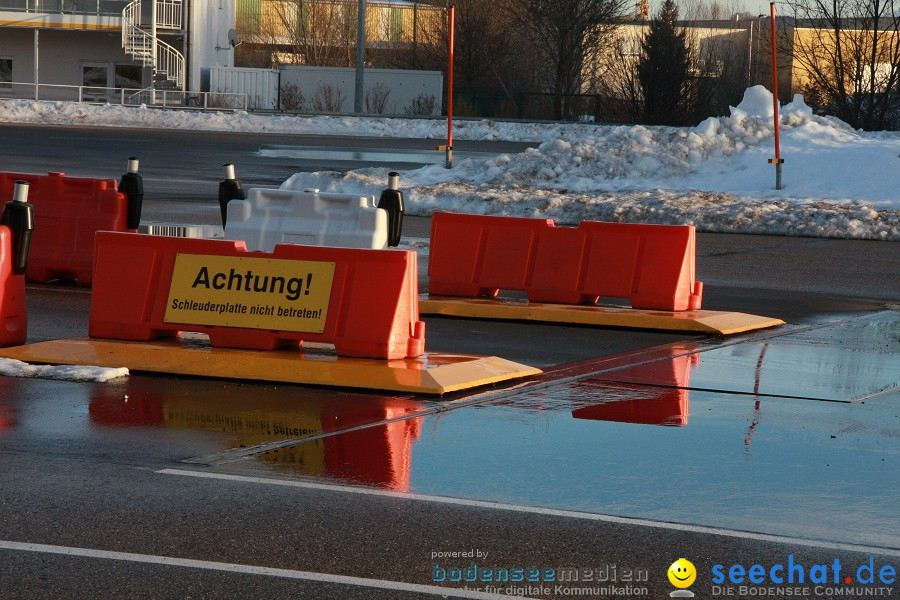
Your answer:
<point x="780" y="466"/>
<point x="842" y="363"/>
<point x="202" y="417"/>
<point x="371" y="155"/>
<point x="249" y="415"/>
<point x="775" y="465"/>
<point x="252" y="414"/>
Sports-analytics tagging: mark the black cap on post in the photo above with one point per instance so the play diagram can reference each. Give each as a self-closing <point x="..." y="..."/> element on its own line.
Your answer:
<point x="229" y="189"/>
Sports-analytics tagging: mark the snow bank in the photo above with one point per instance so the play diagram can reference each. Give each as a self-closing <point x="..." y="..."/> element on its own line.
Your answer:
<point x="71" y="113"/>
<point x="839" y="182"/>
<point x="15" y="368"/>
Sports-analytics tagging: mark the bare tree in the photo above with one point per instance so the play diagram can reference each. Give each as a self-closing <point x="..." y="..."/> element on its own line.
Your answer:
<point x="613" y="75"/>
<point x="848" y="52"/>
<point x="377" y="96"/>
<point x="712" y="10"/>
<point x="328" y="98"/>
<point x="489" y="57"/>
<point x="425" y="38"/>
<point x="565" y="34"/>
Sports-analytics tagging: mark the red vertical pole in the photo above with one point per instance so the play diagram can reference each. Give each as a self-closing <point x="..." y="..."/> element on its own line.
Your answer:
<point x="778" y="161"/>
<point x="452" y="27"/>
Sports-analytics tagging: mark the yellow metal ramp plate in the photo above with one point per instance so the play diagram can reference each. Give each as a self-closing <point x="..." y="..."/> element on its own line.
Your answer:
<point x="316" y="364"/>
<point x="702" y="321"/>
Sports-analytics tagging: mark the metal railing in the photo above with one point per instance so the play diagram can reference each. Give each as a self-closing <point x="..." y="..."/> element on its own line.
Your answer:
<point x="168" y="14"/>
<point x="135" y="40"/>
<point x="68" y="7"/>
<point x="169" y="63"/>
<point x="150" y="51"/>
<point x="124" y="96"/>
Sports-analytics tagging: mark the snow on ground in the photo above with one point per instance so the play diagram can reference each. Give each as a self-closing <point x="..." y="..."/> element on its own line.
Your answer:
<point x="72" y="113"/>
<point x="838" y="182"/>
<point x="13" y="368"/>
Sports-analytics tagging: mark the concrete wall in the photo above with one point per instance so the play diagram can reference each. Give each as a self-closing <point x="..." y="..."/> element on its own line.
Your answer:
<point x="209" y="24"/>
<point x="403" y="85"/>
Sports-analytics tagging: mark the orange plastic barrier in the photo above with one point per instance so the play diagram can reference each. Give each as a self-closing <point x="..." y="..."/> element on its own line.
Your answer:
<point x="68" y="211"/>
<point x="365" y="302"/>
<point x="651" y="265"/>
<point x="13" y="317"/>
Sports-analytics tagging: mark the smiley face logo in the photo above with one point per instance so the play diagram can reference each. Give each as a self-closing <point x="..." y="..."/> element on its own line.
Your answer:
<point x="682" y="573"/>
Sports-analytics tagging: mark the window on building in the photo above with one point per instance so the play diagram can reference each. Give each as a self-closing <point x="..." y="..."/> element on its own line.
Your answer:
<point x="5" y="73"/>
<point x="396" y="30"/>
<point x="95" y="76"/>
<point x="883" y="72"/>
<point x="128" y="77"/>
<point x="95" y="80"/>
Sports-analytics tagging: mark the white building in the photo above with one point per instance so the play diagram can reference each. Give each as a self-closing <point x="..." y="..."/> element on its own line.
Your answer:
<point x="106" y="50"/>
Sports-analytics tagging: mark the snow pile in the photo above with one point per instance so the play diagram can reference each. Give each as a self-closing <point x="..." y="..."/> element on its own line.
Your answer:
<point x="14" y="368"/>
<point x="716" y="176"/>
<point x="630" y="157"/>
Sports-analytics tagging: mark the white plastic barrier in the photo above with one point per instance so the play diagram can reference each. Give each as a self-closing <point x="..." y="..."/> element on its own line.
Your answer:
<point x="271" y="216"/>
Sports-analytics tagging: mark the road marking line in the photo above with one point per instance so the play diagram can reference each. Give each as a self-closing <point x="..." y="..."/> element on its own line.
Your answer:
<point x="171" y="561"/>
<point x="553" y="512"/>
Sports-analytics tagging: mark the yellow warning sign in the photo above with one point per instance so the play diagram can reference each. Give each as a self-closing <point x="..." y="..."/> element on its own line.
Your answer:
<point x="257" y="293"/>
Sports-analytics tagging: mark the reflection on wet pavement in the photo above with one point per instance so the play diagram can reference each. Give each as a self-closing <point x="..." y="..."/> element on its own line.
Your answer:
<point x="777" y="465"/>
<point x="377" y="456"/>
<point x="780" y="466"/>
<point x="593" y="399"/>
<point x="8" y="404"/>
<point x="251" y="415"/>
<point x="740" y="453"/>
<point x="841" y="363"/>
<point x="652" y="407"/>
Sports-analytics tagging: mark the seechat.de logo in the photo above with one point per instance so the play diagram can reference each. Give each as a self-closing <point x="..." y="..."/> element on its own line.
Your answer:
<point x="682" y="574"/>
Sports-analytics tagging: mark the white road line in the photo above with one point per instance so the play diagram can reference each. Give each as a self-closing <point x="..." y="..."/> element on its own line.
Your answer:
<point x="170" y="561"/>
<point x="553" y="512"/>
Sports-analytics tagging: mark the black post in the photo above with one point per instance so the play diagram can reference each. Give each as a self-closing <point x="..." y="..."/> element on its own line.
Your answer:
<point x="18" y="215"/>
<point x="132" y="185"/>
<point x="392" y="201"/>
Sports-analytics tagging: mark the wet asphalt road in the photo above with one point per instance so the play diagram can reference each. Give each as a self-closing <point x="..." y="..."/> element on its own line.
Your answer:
<point x="86" y="471"/>
<point x="187" y="165"/>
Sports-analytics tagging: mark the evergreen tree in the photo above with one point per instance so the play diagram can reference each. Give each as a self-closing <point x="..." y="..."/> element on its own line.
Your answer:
<point x="663" y="70"/>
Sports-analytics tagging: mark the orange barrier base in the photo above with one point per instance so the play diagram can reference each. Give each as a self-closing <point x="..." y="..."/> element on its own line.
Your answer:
<point x="432" y="373"/>
<point x="700" y="321"/>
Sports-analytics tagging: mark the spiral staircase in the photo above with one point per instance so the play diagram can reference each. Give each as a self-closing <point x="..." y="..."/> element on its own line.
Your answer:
<point x="141" y="42"/>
